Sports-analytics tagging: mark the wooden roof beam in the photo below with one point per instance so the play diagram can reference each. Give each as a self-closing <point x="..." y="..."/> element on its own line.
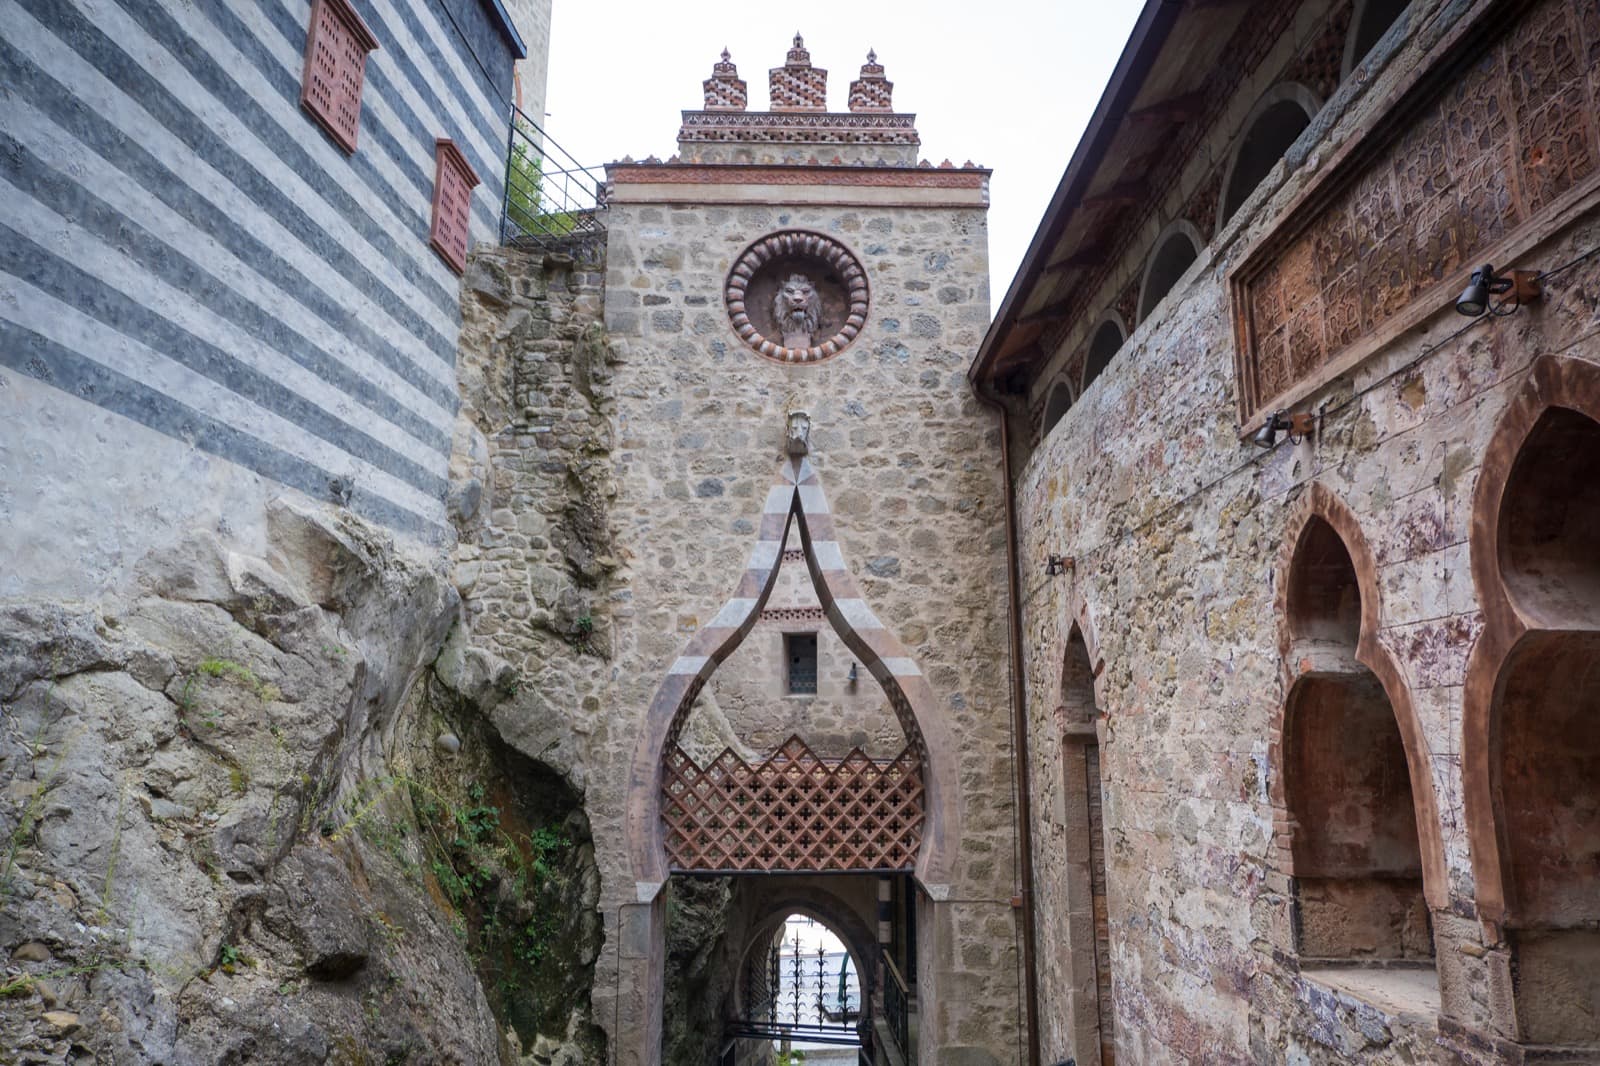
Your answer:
<point x="1185" y="107"/>
<point x="1121" y="194"/>
<point x="1092" y="256"/>
<point x="1049" y="311"/>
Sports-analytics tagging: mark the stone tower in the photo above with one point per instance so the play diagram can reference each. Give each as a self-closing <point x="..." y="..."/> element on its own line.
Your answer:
<point x="809" y="512"/>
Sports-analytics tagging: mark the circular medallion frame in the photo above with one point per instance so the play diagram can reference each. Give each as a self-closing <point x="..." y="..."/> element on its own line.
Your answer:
<point x="838" y="281"/>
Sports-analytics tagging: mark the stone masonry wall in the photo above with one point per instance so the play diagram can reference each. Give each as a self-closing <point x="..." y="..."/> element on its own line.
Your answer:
<point x="1177" y="529"/>
<point x="908" y="461"/>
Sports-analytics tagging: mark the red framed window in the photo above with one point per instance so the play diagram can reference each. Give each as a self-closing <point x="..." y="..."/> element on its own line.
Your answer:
<point x="453" y="182"/>
<point x="336" y="65"/>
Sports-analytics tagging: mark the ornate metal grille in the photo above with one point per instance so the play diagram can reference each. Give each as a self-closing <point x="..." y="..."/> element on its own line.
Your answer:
<point x="792" y="812"/>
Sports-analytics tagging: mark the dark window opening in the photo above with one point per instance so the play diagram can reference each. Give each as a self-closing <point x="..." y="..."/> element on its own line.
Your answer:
<point x="1176" y="254"/>
<point x="800" y="650"/>
<point x="1265" y="142"/>
<point x="1059" y="403"/>
<point x="1353" y="826"/>
<point x="1376" y="18"/>
<point x="1107" y="340"/>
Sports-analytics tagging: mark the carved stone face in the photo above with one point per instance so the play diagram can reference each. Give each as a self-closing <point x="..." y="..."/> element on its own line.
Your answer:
<point x="797" y="441"/>
<point x="798" y="308"/>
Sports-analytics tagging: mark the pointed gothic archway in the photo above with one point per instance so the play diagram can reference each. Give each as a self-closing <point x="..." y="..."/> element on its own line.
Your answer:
<point x="796" y="501"/>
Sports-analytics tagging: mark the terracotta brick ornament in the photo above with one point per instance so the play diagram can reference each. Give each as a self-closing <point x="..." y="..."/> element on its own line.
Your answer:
<point x="797" y="297"/>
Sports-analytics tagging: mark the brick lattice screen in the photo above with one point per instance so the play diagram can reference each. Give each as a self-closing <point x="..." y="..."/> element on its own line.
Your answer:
<point x="793" y="812"/>
<point x="1507" y="139"/>
<point x="453" y="183"/>
<point x="337" y="44"/>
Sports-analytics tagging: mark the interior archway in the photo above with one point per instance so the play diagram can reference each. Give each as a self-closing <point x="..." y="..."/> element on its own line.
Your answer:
<point x="1103" y="346"/>
<point x="1550" y="523"/>
<point x="1175" y="252"/>
<point x="1058" y="404"/>
<point x="1274" y="125"/>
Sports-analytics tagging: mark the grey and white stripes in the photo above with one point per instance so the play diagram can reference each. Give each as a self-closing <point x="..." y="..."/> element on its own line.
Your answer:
<point x="182" y="244"/>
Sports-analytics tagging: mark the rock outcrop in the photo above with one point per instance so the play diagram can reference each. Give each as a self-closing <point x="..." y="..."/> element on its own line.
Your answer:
<point x="233" y="833"/>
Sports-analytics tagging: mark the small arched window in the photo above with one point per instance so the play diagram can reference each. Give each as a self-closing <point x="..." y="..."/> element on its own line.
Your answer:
<point x="1176" y="250"/>
<point x="1102" y="346"/>
<point x="1279" y="119"/>
<point x="1058" y="404"/>
<point x="1372" y="20"/>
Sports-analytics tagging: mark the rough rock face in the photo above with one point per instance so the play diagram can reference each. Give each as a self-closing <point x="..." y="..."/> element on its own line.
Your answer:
<point x="217" y="848"/>
<point x="701" y="963"/>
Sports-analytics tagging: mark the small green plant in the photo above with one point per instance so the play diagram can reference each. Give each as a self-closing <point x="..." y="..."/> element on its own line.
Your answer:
<point x="583" y="633"/>
<point x="231" y="959"/>
<point x="525" y="190"/>
<point x="188" y="698"/>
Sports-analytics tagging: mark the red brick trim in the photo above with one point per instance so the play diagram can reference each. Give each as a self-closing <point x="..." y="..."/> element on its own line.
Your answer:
<point x="337" y="43"/>
<point x="800" y="174"/>
<point x="1321" y="502"/>
<point x="1553" y="381"/>
<point x="453" y="182"/>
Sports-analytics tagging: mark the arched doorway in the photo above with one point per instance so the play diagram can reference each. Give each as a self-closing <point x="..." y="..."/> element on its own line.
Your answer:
<point x="754" y="819"/>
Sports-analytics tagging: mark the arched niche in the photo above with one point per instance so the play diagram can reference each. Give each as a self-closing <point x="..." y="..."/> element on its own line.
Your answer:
<point x="1324" y="595"/>
<point x="1273" y="125"/>
<point x="1104" y="344"/>
<point x="1370" y="21"/>
<point x="1531" y="716"/>
<point x="1058" y="404"/>
<point x="1550" y="523"/>
<point x="1175" y="251"/>
<point x="1354" y="776"/>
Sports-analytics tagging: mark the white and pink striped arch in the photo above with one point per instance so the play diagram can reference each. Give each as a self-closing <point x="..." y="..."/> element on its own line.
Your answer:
<point x="797" y="500"/>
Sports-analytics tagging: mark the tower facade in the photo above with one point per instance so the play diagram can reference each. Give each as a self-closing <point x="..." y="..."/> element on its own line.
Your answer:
<point x="810" y="525"/>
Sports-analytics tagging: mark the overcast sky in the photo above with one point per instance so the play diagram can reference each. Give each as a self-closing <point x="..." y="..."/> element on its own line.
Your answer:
<point x="1009" y="84"/>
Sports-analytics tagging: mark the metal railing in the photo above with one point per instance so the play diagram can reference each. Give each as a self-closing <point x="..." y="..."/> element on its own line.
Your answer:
<point x="796" y="996"/>
<point x="552" y="201"/>
<point x="897" y="1007"/>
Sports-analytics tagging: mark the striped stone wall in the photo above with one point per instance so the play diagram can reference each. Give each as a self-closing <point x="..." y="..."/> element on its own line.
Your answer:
<point x="203" y="300"/>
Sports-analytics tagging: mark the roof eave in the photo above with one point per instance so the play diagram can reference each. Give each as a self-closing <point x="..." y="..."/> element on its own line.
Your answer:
<point x="1138" y="57"/>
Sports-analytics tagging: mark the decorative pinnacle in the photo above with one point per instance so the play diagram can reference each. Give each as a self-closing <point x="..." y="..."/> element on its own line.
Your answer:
<point x="726" y="55"/>
<point x="798" y="43"/>
<point x="872" y="55"/>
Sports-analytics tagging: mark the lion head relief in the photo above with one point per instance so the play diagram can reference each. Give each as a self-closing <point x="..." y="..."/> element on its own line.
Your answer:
<point x="798" y="310"/>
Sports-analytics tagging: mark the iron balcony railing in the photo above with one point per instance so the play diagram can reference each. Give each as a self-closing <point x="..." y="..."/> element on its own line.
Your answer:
<point x="897" y="1007"/>
<point x="552" y="201"/>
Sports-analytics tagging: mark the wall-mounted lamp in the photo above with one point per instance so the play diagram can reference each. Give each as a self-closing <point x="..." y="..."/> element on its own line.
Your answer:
<point x="1523" y="285"/>
<point x="1058" y="564"/>
<point x="1297" y="426"/>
